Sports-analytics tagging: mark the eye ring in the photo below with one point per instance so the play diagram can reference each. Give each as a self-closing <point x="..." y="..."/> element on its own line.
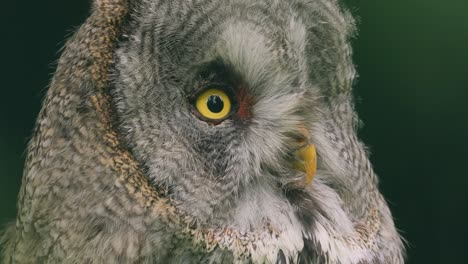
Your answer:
<point x="213" y="104"/>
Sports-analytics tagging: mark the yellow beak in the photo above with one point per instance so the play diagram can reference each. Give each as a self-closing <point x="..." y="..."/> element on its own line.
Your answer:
<point x="307" y="162"/>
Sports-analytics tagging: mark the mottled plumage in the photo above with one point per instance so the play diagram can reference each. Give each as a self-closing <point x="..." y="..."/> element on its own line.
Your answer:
<point x="121" y="170"/>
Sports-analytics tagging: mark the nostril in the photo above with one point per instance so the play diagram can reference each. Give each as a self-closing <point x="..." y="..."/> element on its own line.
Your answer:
<point x="299" y="139"/>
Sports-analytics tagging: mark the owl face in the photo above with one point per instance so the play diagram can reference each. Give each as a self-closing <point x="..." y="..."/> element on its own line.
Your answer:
<point x="215" y="104"/>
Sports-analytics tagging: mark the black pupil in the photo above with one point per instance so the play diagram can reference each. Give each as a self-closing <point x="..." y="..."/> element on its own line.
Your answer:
<point x="215" y="104"/>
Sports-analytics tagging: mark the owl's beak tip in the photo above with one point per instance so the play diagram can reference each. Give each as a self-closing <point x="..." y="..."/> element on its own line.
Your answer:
<point x="306" y="156"/>
<point x="307" y="162"/>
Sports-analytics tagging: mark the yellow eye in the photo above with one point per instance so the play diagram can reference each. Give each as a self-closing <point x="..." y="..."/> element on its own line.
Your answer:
<point x="213" y="104"/>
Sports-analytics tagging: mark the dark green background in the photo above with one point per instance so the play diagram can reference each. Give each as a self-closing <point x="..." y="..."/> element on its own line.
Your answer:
<point x="412" y="57"/>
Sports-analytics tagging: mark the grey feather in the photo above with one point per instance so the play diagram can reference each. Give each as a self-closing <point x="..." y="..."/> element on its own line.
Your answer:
<point x="121" y="170"/>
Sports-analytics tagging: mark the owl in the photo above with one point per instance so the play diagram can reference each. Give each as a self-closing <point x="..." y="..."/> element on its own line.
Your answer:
<point x="202" y="131"/>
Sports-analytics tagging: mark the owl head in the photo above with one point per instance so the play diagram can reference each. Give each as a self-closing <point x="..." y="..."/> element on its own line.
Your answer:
<point x="221" y="131"/>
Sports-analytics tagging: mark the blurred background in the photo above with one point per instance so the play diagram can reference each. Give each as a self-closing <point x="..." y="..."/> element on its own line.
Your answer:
<point x="412" y="94"/>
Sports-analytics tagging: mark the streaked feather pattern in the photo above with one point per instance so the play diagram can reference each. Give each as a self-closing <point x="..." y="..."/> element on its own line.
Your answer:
<point x="120" y="170"/>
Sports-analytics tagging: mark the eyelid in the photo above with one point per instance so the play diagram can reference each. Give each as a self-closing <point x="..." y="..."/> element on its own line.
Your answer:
<point x="213" y="85"/>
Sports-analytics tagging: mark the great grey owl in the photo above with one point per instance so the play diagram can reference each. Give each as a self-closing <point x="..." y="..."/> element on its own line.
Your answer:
<point x="189" y="131"/>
